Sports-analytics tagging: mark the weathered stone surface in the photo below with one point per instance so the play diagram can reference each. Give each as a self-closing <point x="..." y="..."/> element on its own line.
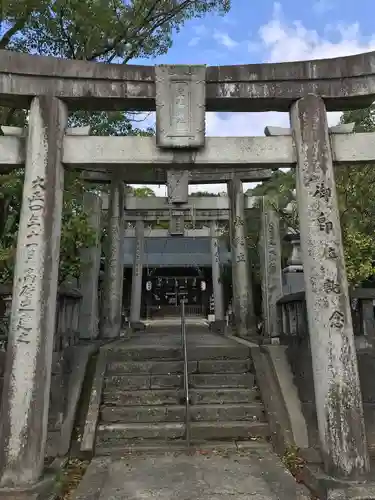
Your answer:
<point x="115" y="433"/>
<point x="129" y="158"/>
<point x="252" y="87"/>
<point x="178" y="186"/>
<point x="154" y="367"/>
<point x="111" y="307"/>
<point x="217" y="284"/>
<point x="166" y="413"/>
<point x="360" y="492"/>
<point x="133" y="152"/>
<point x="256" y="473"/>
<point x="224" y="366"/>
<point x="342" y="128"/>
<point x="228" y="412"/>
<point x="222" y="380"/>
<point x="136" y="291"/>
<point x="159" y="175"/>
<point x="270" y="252"/>
<point x="133" y="382"/>
<point x="143" y="398"/>
<point x="180" y="106"/>
<point x="337" y="390"/>
<point x="222" y="396"/>
<point x="243" y="306"/>
<point x="89" y="280"/>
<point x="89" y="431"/>
<point x="201" y="431"/>
<point x="23" y="426"/>
<point x="41" y="490"/>
<point x="81" y="358"/>
<point x="176" y="223"/>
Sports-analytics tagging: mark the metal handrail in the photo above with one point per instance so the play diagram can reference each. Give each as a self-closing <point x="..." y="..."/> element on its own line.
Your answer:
<point x="186" y="374"/>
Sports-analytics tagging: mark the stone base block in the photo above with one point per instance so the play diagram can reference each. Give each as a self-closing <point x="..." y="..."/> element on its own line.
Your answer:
<point x="42" y="490"/>
<point x="360" y="492"/>
<point x="137" y="326"/>
<point x="218" y="326"/>
<point x="326" y="487"/>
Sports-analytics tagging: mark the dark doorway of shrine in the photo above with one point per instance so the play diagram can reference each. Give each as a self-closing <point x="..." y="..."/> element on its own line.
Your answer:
<point x="167" y="287"/>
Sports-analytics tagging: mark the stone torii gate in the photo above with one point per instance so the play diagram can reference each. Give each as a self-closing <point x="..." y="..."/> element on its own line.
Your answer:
<point x="210" y="210"/>
<point x="181" y="95"/>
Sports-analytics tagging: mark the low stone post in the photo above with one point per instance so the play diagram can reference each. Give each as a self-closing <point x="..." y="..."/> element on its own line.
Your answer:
<point x="89" y="280"/>
<point x="337" y="389"/>
<point x="111" y="307"/>
<point x="270" y="253"/>
<point x="217" y="284"/>
<point x="27" y="380"/>
<point x="136" y="297"/>
<point x="243" y="306"/>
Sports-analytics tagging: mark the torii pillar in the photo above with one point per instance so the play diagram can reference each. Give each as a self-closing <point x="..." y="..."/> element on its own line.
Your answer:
<point x="243" y="306"/>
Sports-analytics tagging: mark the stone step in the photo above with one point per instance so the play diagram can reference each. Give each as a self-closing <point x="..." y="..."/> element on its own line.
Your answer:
<point x="176" y="413"/>
<point x="222" y="380"/>
<point x="157" y="367"/>
<point x="124" y="353"/>
<point x="154" y="413"/>
<point x="143" y="397"/>
<point x="222" y="396"/>
<point x="200" y="353"/>
<point x="115" y="433"/>
<point x="153" y="446"/>
<point x="206" y="431"/>
<point x="136" y="382"/>
<point x="226" y="412"/>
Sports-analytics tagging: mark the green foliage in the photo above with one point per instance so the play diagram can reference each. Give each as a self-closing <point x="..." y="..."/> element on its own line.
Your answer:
<point x="97" y="30"/>
<point x="356" y="199"/>
<point x="142" y="192"/>
<point x="113" y="123"/>
<point x="200" y="194"/>
<point x="292" y="461"/>
<point x="76" y="232"/>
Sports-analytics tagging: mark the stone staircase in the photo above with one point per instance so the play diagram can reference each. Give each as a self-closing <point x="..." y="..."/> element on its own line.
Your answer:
<point x="142" y="401"/>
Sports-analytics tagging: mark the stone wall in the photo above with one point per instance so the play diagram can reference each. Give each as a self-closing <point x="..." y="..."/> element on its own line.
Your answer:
<point x="295" y="336"/>
<point x="66" y="345"/>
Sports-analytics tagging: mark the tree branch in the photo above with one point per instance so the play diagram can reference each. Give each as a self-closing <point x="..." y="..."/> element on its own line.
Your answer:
<point x="17" y="26"/>
<point x="158" y="21"/>
<point x="65" y="34"/>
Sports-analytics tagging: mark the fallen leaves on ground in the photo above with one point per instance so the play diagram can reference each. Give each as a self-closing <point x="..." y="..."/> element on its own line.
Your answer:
<point x="71" y="477"/>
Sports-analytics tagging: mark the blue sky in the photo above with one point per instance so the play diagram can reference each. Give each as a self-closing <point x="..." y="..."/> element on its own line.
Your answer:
<point x="266" y="31"/>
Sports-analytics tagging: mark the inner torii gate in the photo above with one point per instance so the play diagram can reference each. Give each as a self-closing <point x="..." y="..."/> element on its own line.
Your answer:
<point x="181" y="95"/>
<point x="210" y="210"/>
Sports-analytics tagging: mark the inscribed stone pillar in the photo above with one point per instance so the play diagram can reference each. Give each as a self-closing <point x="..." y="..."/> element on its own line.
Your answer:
<point x="114" y="269"/>
<point x="243" y="306"/>
<point x="270" y="253"/>
<point x="217" y="284"/>
<point x="89" y="281"/>
<point x="136" y="297"/>
<point x="337" y="389"/>
<point x="26" y="391"/>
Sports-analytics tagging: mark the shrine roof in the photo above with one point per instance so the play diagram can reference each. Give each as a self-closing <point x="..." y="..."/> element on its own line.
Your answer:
<point x="176" y="251"/>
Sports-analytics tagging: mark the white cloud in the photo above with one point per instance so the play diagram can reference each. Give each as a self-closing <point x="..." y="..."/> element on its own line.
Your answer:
<point x="283" y="40"/>
<point x="225" y="40"/>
